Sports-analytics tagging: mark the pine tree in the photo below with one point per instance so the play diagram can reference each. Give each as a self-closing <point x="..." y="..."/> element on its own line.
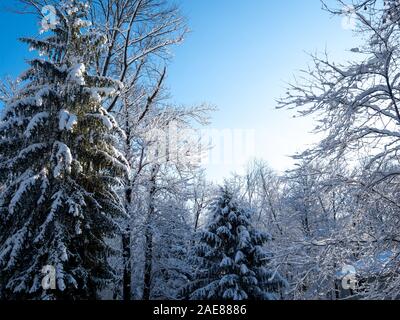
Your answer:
<point x="233" y="264"/>
<point x="59" y="168"/>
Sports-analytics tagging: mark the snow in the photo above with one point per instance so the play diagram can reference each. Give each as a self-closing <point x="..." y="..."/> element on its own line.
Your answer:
<point x="226" y="262"/>
<point x="80" y="23"/>
<point x="71" y="9"/>
<point x="13" y="246"/>
<point x="243" y="269"/>
<point x="27" y="101"/>
<point x="60" y="277"/>
<point x="57" y="202"/>
<point x="22" y="190"/>
<point x="63" y="250"/>
<point x="105" y="120"/>
<point x="38" y="120"/>
<point x="76" y="74"/>
<point x="28" y="151"/>
<point x="78" y="229"/>
<point x="223" y="231"/>
<point x="98" y="93"/>
<point x="239" y="256"/>
<point x="74" y="208"/>
<point x="228" y="280"/>
<point x="43" y="187"/>
<point x="64" y="159"/>
<point x="67" y="121"/>
<point x="44" y="91"/>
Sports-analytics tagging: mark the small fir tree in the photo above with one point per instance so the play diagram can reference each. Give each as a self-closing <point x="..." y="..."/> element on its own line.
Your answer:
<point x="231" y="257"/>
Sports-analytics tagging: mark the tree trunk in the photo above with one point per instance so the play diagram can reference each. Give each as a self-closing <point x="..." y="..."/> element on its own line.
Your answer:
<point x="148" y="266"/>
<point x="148" y="263"/>
<point x="126" y="236"/>
<point x="127" y="255"/>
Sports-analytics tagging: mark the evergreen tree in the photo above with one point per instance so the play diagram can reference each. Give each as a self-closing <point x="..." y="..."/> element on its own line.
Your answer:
<point x="59" y="167"/>
<point x="233" y="264"/>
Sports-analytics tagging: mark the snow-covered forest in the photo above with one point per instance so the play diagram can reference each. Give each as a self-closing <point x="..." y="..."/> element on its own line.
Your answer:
<point x="99" y="201"/>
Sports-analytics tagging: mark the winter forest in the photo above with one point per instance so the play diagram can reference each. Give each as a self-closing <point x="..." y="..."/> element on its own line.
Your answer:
<point x="101" y="200"/>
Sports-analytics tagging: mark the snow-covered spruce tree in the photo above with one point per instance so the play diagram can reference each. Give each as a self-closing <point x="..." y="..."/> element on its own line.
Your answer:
<point x="59" y="167"/>
<point x="231" y="257"/>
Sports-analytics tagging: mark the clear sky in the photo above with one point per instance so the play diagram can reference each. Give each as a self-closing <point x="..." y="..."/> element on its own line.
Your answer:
<point x="238" y="57"/>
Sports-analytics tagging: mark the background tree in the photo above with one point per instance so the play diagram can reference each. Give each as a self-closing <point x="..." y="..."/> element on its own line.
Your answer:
<point x="357" y="109"/>
<point x="167" y="158"/>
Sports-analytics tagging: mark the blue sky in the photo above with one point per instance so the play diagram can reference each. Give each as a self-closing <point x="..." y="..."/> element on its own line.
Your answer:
<point x="238" y="57"/>
<point x="13" y="26"/>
